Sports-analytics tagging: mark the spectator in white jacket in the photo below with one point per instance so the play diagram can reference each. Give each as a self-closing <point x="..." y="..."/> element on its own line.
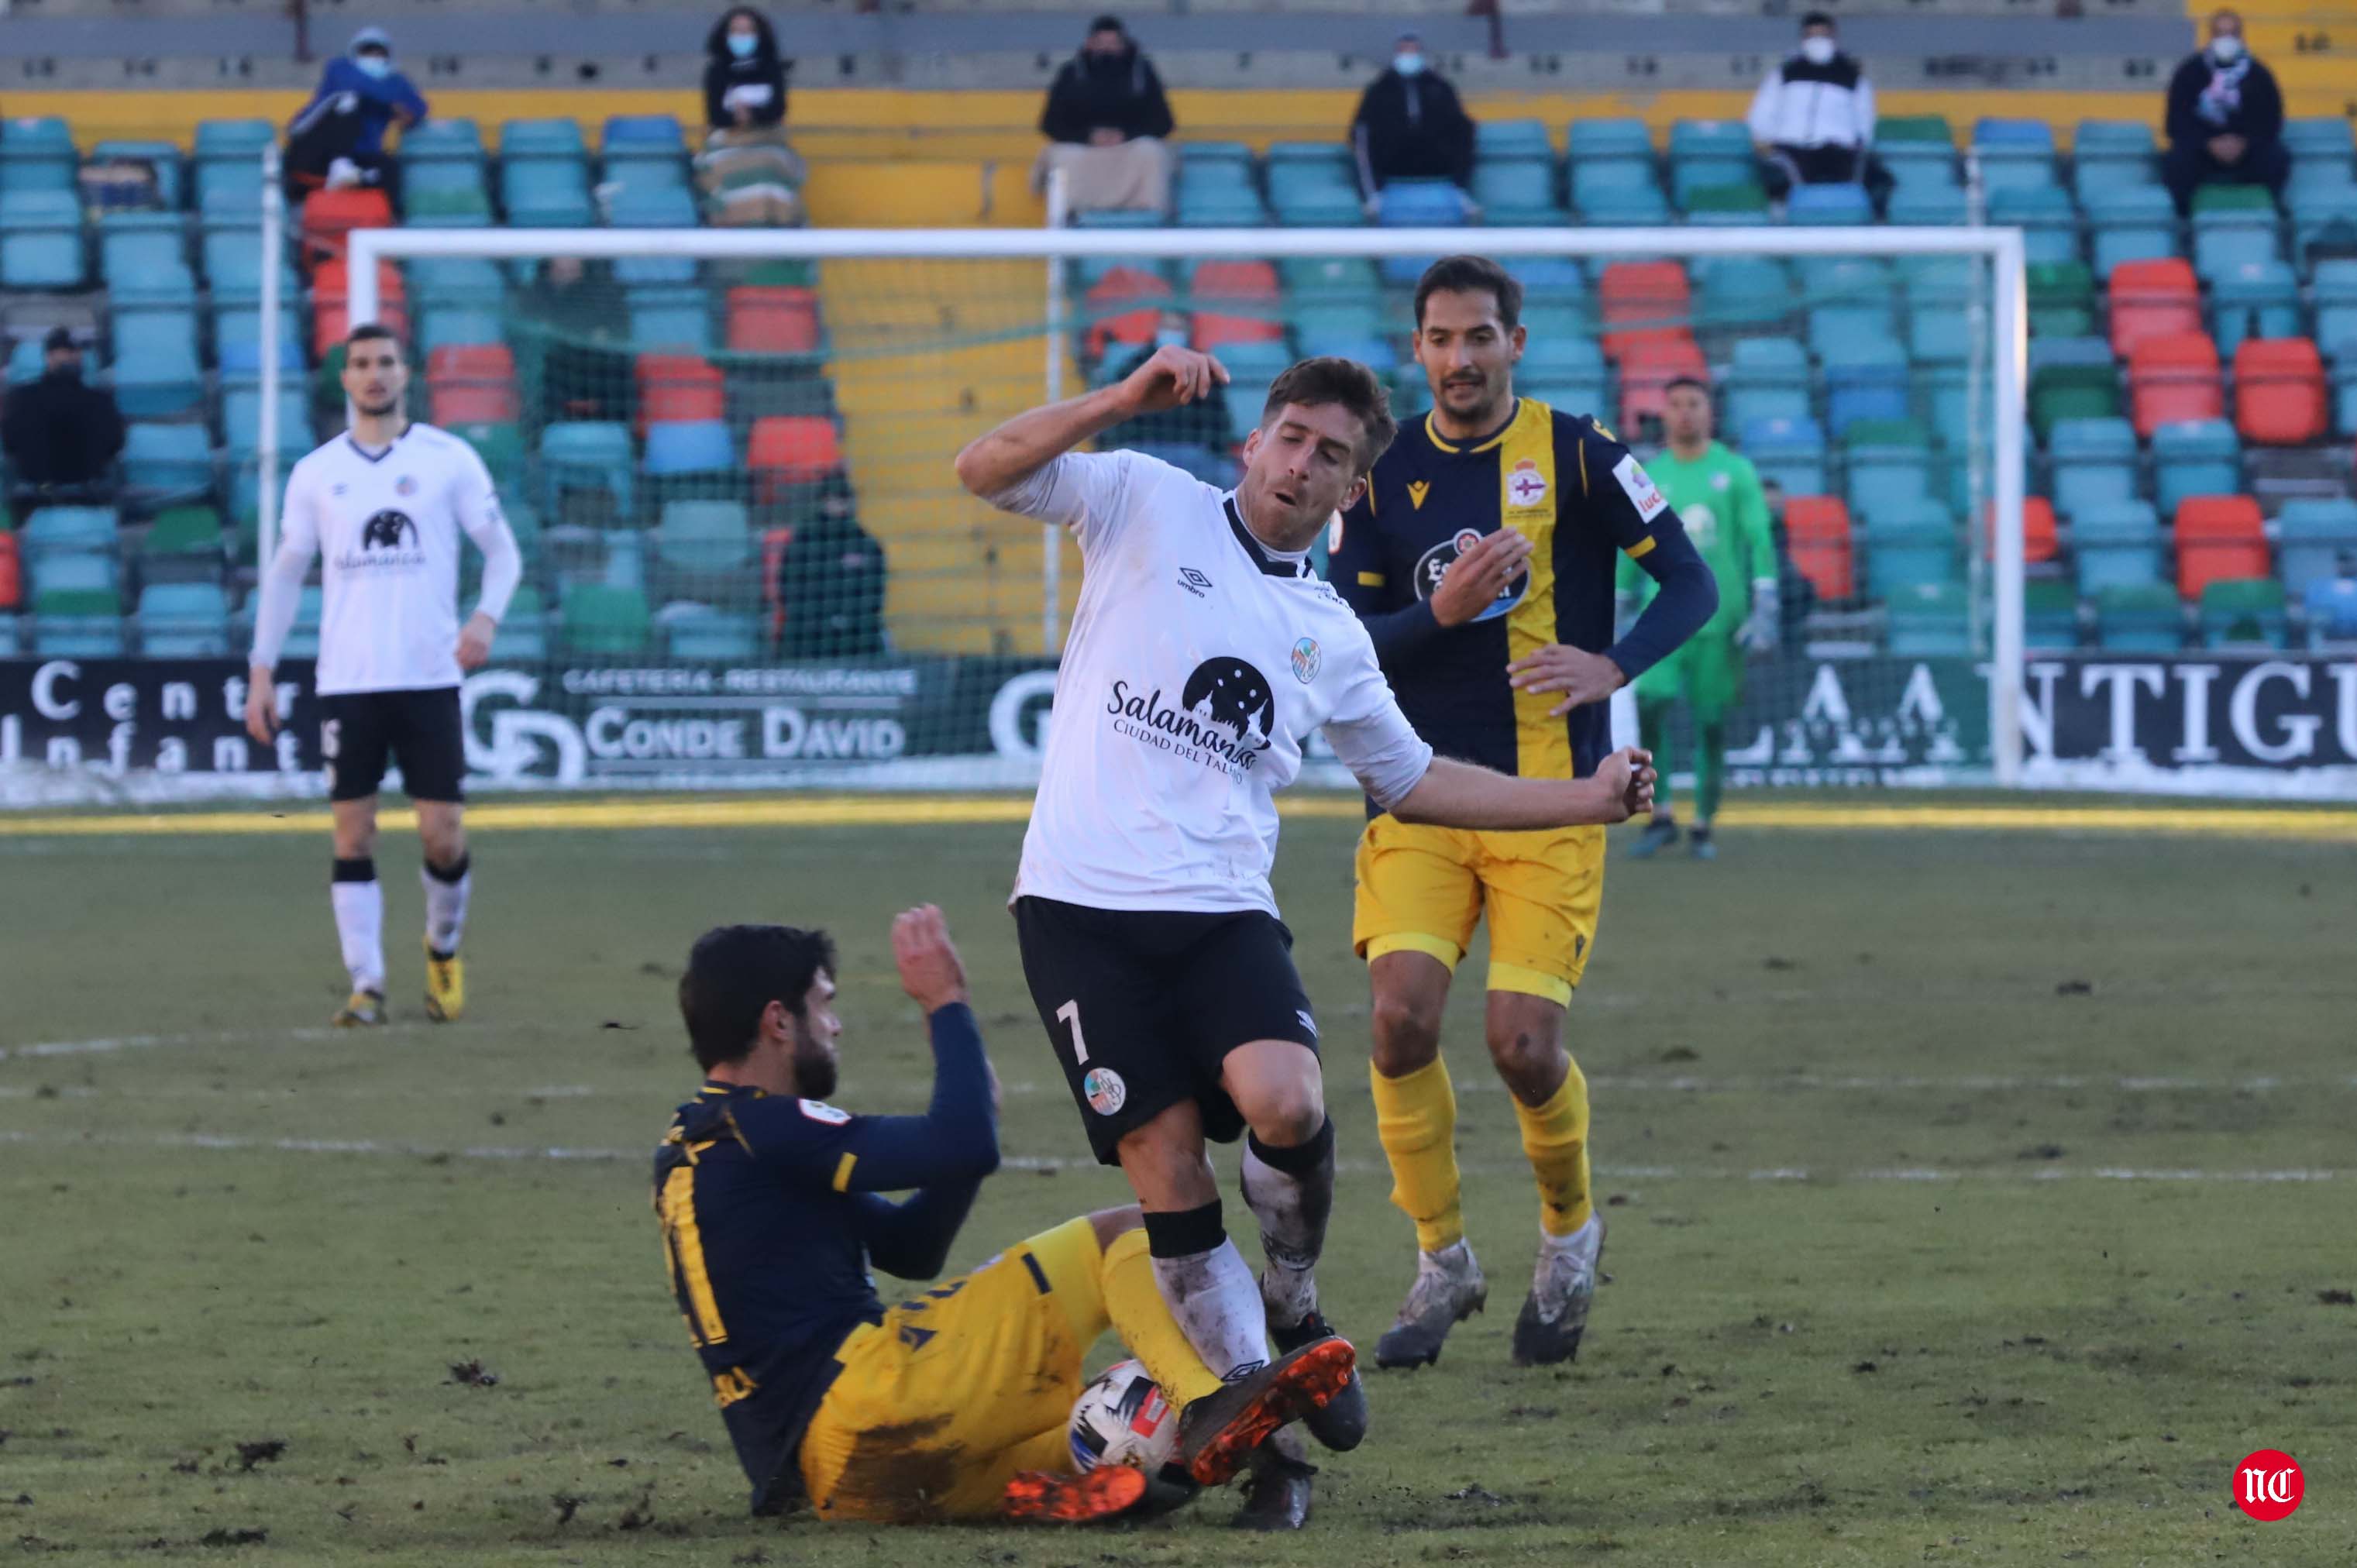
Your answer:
<point x="1813" y="118"/>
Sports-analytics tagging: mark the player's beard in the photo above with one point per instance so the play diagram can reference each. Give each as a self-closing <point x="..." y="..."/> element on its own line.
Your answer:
<point x="814" y="1070"/>
<point x="379" y="411"/>
<point x="1493" y="395"/>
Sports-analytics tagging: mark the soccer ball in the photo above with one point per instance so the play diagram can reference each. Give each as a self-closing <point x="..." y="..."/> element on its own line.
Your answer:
<point x="1123" y="1419"/>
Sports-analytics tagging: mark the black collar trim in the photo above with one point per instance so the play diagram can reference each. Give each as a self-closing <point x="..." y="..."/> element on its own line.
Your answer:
<point x="1270" y="566"/>
<point x="379" y="457"/>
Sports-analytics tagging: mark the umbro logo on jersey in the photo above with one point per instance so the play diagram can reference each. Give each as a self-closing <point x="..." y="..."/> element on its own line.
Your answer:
<point x="1417" y="490"/>
<point x="1194" y="581"/>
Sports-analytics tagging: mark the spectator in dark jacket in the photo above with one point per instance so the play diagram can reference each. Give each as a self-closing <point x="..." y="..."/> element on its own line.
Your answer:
<point x="744" y="76"/>
<point x="1410" y="125"/>
<point x="337" y="139"/>
<point x="1105" y="121"/>
<point x="61" y="434"/>
<point x="2225" y="119"/>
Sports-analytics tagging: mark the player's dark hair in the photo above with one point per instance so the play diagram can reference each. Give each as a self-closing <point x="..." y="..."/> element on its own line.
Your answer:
<point x="1471" y="274"/>
<point x="1818" y="19"/>
<point x="1696" y="382"/>
<point x="734" y="972"/>
<point x="1315" y="383"/>
<point x="369" y="332"/>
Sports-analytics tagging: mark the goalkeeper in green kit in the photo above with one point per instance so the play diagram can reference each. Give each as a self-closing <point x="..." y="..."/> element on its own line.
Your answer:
<point x="1718" y="496"/>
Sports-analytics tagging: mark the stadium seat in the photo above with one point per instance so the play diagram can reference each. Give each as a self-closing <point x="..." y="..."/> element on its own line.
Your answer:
<point x="31" y="148"/>
<point x="1741" y="292"/>
<point x="2317" y="540"/>
<point x="1124" y="306"/>
<point x="2041" y="539"/>
<point x="1768" y="378"/>
<point x="1646" y="371"/>
<point x="1888" y="462"/>
<point x="695" y="631"/>
<point x="1943" y="208"/>
<point x="545" y="193"/>
<point x="604" y="622"/>
<point x="41" y="240"/>
<point x="183" y="620"/>
<point x="2116" y="542"/>
<point x="1313" y="185"/>
<point x="2062" y="300"/>
<point x="705" y="537"/>
<point x="2130" y="223"/>
<point x="2334" y="282"/>
<point x="1817" y="529"/>
<point x="1828" y="204"/>
<point x="585" y="454"/>
<point x="2114" y="151"/>
<point x="791" y="450"/>
<point x="1605" y="137"/>
<point x="2014" y="153"/>
<point x="1511" y="139"/>
<point x="2139" y="618"/>
<point x="2253" y="299"/>
<point x="2049" y="615"/>
<point x="167" y="459"/>
<point x="1518" y="192"/>
<point x="1931" y="620"/>
<point x="1617" y="191"/>
<point x="473" y="383"/>
<point x="331" y="302"/>
<point x="457" y="327"/>
<point x="678" y="387"/>
<point x="2217" y="537"/>
<point x="1911" y="543"/>
<point x="1866" y="381"/>
<point x="1308" y="280"/>
<point x="2196" y="458"/>
<point x="242" y="420"/>
<point x="2152" y="299"/>
<point x="233" y="141"/>
<point x="77" y="624"/>
<point x="1415" y="204"/>
<point x="2279" y="397"/>
<point x="329" y="215"/>
<point x="183" y="541"/>
<point x="2093" y="463"/>
<point x="67" y="528"/>
<point x="696" y="449"/>
<point x="2331" y="606"/>
<point x="1789" y="451"/>
<point x="772" y="320"/>
<point x="1724" y="205"/>
<point x="1640" y="299"/>
<point x="2239" y="612"/>
<point x="524" y="630"/>
<point x="640" y="207"/>
<point x="2172" y="379"/>
<point x="12" y="573"/>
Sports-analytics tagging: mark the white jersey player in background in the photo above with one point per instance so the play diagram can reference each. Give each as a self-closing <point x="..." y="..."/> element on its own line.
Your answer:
<point x="385" y="503"/>
<point x="1204" y="651"/>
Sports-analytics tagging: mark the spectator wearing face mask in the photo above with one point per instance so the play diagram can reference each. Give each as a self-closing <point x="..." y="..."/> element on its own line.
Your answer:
<point x="61" y="434"/>
<point x="1411" y="125"/>
<point x="337" y="139"/>
<point x="744" y="77"/>
<point x="2225" y="119"/>
<point x="1105" y="121"/>
<point x="1202" y="423"/>
<point x="1813" y="118"/>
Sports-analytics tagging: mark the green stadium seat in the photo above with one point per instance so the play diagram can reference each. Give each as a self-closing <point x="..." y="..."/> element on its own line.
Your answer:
<point x="2062" y="300"/>
<point x="183" y="541"/>
<point x="2139" y="618"/>
<point x="2071" y="377"/>
<point x="1730" y="206"/>
<point x="599" y="620"/>
<point x="2049" y="613"/>
<point x="2244" y="613"/>
<point x="1918" y="130"/>
<point x="71" y="623"/>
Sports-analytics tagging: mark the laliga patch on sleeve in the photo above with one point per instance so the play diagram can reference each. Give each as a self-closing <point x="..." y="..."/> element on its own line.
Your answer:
<point x="1638" y="485"/>
<point x="820" y="1111"/>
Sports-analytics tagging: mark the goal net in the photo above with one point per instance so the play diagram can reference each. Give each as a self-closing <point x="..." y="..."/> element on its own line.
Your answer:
<point x="727" y="456"/>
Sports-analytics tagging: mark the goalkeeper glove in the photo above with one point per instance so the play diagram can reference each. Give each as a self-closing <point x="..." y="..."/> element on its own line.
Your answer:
<point x="1759" y="632"/>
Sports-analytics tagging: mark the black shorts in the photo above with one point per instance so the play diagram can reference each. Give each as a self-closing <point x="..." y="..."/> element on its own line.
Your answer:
<point x="421" y="730"/>
<point x="1142" y="1007"/>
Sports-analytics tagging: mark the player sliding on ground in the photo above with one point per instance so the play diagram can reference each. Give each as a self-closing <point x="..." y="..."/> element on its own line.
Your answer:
<point x="1481" y="559"/>
<point x="1204" y="653"/>
<point x="953" y="1404"/>
<point x="386" y="502"/>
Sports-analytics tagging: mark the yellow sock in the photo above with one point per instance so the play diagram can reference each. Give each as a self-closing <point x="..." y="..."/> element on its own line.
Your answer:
<point x="1555" y="1136"/>
<point x="1415" y="1116"/>
<point x="1133" y="1301"/>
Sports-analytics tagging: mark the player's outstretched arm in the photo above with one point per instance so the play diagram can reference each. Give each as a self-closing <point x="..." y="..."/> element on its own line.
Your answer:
<point x="1459" y="795"/>
<point x="995" y="464"/>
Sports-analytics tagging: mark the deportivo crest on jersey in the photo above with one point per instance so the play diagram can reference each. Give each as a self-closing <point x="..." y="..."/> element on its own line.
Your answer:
<point x="1526" y="486"/>
<point x="1417" y="490"/>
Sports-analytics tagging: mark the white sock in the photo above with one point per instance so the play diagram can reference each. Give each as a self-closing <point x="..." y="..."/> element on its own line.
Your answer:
<point x="359" y="901"/>
<point x="1215" y="1299"/>
<point x="1550" y="1245"/>
<point x="446" y="903"/>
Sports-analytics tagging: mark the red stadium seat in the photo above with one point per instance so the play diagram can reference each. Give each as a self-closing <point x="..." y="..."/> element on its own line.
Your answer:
<point x="2173" y="378"/>
<point x="472" y="383"/>
<point x="1211" y="330"/>
<point x="772" y="320"/>
<point x="1239" y="281"/>
<point x="1111" y="324"/>
<point x="2152" y="299"/>
<point x="329" y="215"/>
<point x="774" y="543"/>
<point x="2219" y="537"/>
<point x="1643" y="300"/>
<point x="2279" y="395"/>
<point x="1647" y="369"/>
<point x="2040" y="541"/>
<point x="678" y="387"/>
<point x="788" y="449"/>
<point x="12" y="573"/>
<point x="1816" y="528"/>
<point x="332" y="304"/>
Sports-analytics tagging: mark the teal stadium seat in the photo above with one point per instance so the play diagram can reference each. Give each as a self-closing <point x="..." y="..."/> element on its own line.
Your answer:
<point x="157" y="375"/>
<point x="77" y="624"/>
<point x="1617" y="137"/>
<point x="1909" y="542"/>
<point x="2317" y="540"/>
<point x="1768" y="378"/>
<point x="164" y="158"/>
<point x="67" y="530"/>
<point x="2195" y="457"/>
<point x="1513" y="139"/>
<point x="709" y="537"/>
<point x="233" y="141"/>
<point x="2093" y="463"/>
<point x="1789" y="451"/>
<point x="2049" y="222"/>
<point x="41" y="240"/>
<point x="2253" y="299"/>
<point x="585" y="454"/>
<point x="36" y="154"/>
<point x="700" y="632"/>
<point x="456" y="280"/>
<point x="1742" y="292"/>
<point x="2116" y="544"/>
<point x="242" y="421"/>
<point x="167" y="459"/>
<point x="183" y="620"/>
<point x="1931" y="620"/>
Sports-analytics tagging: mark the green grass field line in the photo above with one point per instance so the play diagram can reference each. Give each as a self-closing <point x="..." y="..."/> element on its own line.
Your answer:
<point x="1849" y="813"/>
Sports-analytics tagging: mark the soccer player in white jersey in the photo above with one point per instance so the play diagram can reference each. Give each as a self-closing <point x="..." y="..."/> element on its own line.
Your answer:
<point x="385" y="503"/>
<point x="1203" y="652"/>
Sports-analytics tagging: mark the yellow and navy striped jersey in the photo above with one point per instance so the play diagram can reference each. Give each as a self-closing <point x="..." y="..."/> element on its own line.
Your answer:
<point x="1583" y="500"/>
<point x="771" y="1218"/>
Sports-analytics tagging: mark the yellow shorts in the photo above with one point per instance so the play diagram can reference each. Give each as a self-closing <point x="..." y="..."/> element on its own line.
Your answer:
<point x="959" y="1388"/>
<point x="1422" y="889"/>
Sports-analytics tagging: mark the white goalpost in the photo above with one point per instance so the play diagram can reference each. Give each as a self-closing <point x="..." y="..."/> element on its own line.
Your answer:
<point x="2005" y="355"/>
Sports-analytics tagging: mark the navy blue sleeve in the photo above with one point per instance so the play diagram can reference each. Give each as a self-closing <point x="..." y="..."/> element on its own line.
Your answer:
<point x="810" y="1144"/>
<point x="1618" y="496"/>
<point x="1397" y="622"/>
<point x="911" y="1239"/>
